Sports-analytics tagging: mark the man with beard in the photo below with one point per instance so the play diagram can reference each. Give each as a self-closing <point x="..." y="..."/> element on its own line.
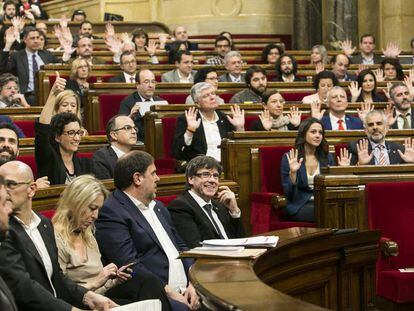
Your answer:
<point x="376" y="150"/>
<point x="9" y="10"/>
<point x="286" y="68"/>
<point x="403" y="116"/>
<point x="6" y="297"/>
<point x="10" y="95"/>
<point x="256" y="82"/>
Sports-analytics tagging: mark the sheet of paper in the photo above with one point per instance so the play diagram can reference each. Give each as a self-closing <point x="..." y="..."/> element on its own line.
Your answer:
<point x="144" y="305"/>
<point x="146" y="106"/>
<point x="258" y="241"/>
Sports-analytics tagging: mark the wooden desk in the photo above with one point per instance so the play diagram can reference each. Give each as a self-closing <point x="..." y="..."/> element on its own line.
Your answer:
<point x="308" y="266"/>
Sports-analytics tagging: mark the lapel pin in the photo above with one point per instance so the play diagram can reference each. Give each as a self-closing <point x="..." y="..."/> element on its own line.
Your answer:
<point x="44" y="225"/>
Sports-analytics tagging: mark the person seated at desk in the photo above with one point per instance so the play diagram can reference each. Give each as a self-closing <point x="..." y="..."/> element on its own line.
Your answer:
<point x="199" y="131"/>
<point x="376" y="150"/>
<point x="128" y="65"/>
<point x="272" y="118"/>
<point x="256" y="82"/>
<point x="183" y="73"/>
<point x="390" y="70"/>
<point x="234" y="66"/>
<point x="122" y="137"/>
<point x="366" y="89"/>
<point x="206" y="210"/>
<point x="323" y="82"/>
<point x="271" y="53"/>
<point x="78" y="82"/>
<point x="300" y="166"/>
<point x="78" y="252"/>
<point x="10" y="96"/>
<point x="209" y="75"/>
<point x="286" y="68"/>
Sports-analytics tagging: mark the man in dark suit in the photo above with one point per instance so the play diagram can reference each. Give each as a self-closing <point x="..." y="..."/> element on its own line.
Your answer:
<point x="6" y="297"/>
<point x="180" y="34"/>
<point x="234" y="64"/>
<point x="366" y="47"/>
<point x="146" y="84"/>
<point x="25" y="63"/>
<point x="376" y="150"/>
<point x="340" y="64"/>
<point x="132" y="227"/>
<point x="336" y="119"/>
<point x="199" y="131"/>
<point x="128" y="64"/>
<point x="122" y="137"/>
<point x="403" y="114"/>
<point x="198" y="214"/>
<point x="28" y="258"/>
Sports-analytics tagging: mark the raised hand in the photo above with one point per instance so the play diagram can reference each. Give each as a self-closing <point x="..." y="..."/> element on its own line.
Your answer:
<point x="363" y="155"/>
<point x="35" y="10"/>
<point x="28" y="15"/>
<point x="152" y="47"/>
<point x="66" y="46"/>
<point x="344" y="158"/>
<point x="109" y="30"/>
<point x="316" y="110"/>
<point x="295" y="116"/>
<point x="294" y="162"/>
<point x="408" y="155"/>
<point x="63" y="22"/>
<point x="319" y="67"/>
<point x="360" y="68"/>
<point x="10" y="36"/>
<point x="227" y="198"/>
<point x="379" y="74"/>
<point x="237" y="117"/>
<point x="191" y="117"/>
<point x="347" y="48"/>
<point x="266" y="119"/>
<point x="125" y="37"/>
<point x="59" y="84"/>
<point x="365" y="108"/>
<point x="392" y="50"/>
<point x="408" y="81"/>
<point x="163" y="40"/>
<point x="354" y="90"/>
<point x="114" y="44"/>
<point x="389" y="112"/>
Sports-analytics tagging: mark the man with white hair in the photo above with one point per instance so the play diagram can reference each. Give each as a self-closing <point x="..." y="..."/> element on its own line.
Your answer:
<point x="233" y="63"/>
<point x="200" y="130"/>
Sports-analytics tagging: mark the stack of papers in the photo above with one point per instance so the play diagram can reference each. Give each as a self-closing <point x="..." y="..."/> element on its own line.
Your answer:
<point x="257" y="241"/>
<point x="213" y="252"/>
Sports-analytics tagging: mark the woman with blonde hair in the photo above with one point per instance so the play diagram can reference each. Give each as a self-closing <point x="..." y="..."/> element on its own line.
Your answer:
<point x="319" y="55"/>
<point x="79" y="75"/>
<point x="78" y="251"/>
<point x="67" y="101"/>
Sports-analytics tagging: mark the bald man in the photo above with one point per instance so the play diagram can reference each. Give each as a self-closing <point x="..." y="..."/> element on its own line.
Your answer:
<point x="28" y="258"/>
<point x="180" y="34"/>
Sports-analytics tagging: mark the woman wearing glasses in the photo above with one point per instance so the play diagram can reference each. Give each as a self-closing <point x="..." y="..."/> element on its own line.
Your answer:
<point x="209" y="75"/>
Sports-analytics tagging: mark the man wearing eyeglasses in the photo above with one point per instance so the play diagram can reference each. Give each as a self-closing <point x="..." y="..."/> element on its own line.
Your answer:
<point x="222" y="46"/>
<point x="122" y="137"/>
<point x="206" y="210"/>
<point x="10" y="95"/>
<point x="128" y="65"/>
<point x="28" y="257"/>
<point x="145" y="93"/>
<point x="234" y="65"/>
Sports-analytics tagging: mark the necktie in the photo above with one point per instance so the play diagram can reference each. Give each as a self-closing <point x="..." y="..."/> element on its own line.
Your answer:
<point x="132" y="79"/>
<point x="207" y="208"/>
<point x="381" y="158"/>
<point x="341" y="125"/>
<point x="34" y="64"/>
<point x="406" y="125"/>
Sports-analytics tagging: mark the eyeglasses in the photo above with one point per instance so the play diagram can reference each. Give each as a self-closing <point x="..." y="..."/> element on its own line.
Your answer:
<point x="127" y="128"/>
<point x="207" y="175"/>
<point x="11" y="184"/>
<point x="9" y="88"/>
<point x="72" y="133"/>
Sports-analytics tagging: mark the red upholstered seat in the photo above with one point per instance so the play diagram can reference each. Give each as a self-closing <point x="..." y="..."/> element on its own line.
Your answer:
<point x="166" y="164"/>
<point x="48" y="213"/>
<point x="295" y="96"/>
<point x="263" y="216"/>
<point x="166" y="199"/>
<point x="174" y="98"/>
<point x="248" y="120"/>
<point x="27" y="127"/>
<point x="85" y="155"/>
<point x="29" y="160"/>
<point x="108" y="106"/>
<point x="390" y="209"/>
<point x="226" y="97"/>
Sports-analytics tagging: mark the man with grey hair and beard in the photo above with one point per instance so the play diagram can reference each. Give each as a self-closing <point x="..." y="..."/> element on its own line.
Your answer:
<point x="375" y="149"/>
<point x="402" y="115"/>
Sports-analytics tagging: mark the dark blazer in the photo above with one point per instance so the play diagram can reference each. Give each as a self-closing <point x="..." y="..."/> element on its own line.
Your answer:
<point x="6" y="297"/>
<point x="392" y="149"/>
<point x="226" y="78"/>
<point x="6" y="119"/>
<point x="48" y="160"/>
<point x="198" y="146"/>
<point x="350" y="77"/>
<point x="125" y="236"/>
<point x="352" y="123"/>
<point x="191" y="46"/>
<point x="74" y="86"/>
<point x="297" y="79"/>
<point x="395" y="124"/>
<point x="125" y="108"/>
<point x="118" y="79"/>
<point x="298" y="194"/>
<point x="357" y="59"/>
<point x="23" y="270"/>
<point x="257" y="125"/>
<point x="17" y="64"/>
<point x="194" y="226"/>
<point x="104" y="160"/>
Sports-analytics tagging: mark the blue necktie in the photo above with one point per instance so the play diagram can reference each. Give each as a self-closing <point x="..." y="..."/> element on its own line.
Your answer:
<point x="34" y="64"/>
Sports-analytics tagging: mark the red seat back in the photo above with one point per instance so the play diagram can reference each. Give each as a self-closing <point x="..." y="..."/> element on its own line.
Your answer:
<point x="29" y="160"/>
<point x="109" y="106"/>
<point x="166" y="199"/>
<point x="168" y="130"/>
<point x="174" y="98"/>
<point x="295" y="96"/>
<point x="27" y="127"/>
<point x="226" y="97"/>
<point x="248" y="121"/>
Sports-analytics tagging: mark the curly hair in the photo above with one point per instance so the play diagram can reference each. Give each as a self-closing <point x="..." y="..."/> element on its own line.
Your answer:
<point x="267" y="50"/>
<point x="59" y="121"/>
<point x="279" y="63"/>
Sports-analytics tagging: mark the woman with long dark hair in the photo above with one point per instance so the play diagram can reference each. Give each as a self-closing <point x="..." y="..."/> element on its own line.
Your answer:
<point x="365" y="88"/>
<point x="300" y="166"/>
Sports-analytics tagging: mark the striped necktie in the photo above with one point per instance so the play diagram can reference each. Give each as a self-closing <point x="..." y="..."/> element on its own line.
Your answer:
<point x="381" y="159"/>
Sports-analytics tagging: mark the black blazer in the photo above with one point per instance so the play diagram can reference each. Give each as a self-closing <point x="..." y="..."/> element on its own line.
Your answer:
<point x="104" y="161"/>
<point x="125" y="108"/>
<point x="23" y="270"/>
<point x="357" y="59"/>
<point x="297" y="79"/>
<point x="198" y="146"/>
<point x="48" y="160"/>
<point x="257" y="125"/>
<point x="17" y="64"/>
<point x="194" y="226"/>
<point x="395" y="124"/>
<point x="392" y="148"/>
<point x="6" y="297"/>
<point x="120" y="78"/>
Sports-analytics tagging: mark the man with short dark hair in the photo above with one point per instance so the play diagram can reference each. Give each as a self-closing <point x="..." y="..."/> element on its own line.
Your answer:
<point x="28" y="258"/>
<point x="9" y="10"/>
<point x="206" y="210"/>
<point x="122" y="137"/>
<point x="256" y="82"/>
<point x="85" y="30"/>
<point x="9" y="143"/>
<point x="222" y="46"/>
<point x="130" y="105"/>
<point x="84" y="50"/>
<point x="133" y="227"/>
<point x="184" y="72"/>
<point x="403" y="115"/>
<point x="366" y="47"/>
<point x="128" y="64"/>
<point x="286" y="69"/>
<point x="78" y="16"/>
<point x="9" y="92"/>
<point x="340" y="64"/>
<point x="180" y="34"/>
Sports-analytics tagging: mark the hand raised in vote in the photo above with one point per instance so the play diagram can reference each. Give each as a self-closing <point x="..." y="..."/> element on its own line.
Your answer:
<point x="354" y="90"/>
<point x="191" y="117"/>
<point x="266" y="119"/>
<point x="295" y="116"/>
<point x="316" y="110"/>
<point x="237" y="117"/>
<point x="365" y="108"/>
<point x="363" y="154"/>
<point x="344" y="158"/>
<point x="408" y="155"/>
<point x="294" y="162"/>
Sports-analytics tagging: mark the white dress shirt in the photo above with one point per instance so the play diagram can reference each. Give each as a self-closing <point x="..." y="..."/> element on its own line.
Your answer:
<point x="184" y="79"/>
<point x="119" y="153"/>
<point x="39" y="61"/>
<point x="334" y="122"/>
<point x="212" y="134"/>
<point x="400" y="120"/>
<point x="34" y="234"/>
<point x="128" y="78"/>
<point x="176" y="274"/>
<point x="234" y="78"/>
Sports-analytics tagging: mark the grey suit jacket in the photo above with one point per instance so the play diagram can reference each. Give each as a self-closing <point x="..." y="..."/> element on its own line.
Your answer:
<point x="357" y="59"/>
<point x="172" y="76"/>
<point x="226" y="78"/>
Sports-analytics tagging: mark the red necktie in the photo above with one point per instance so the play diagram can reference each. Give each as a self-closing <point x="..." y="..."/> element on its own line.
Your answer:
<point x="341" y="125"/>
